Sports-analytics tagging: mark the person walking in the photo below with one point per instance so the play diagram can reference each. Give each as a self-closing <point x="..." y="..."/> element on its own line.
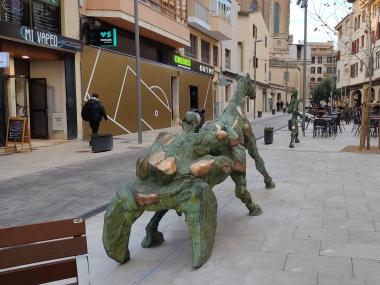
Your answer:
<point x="278" y="106"/>
<point x="93" y="111"/>
<point x="281" y="105"/>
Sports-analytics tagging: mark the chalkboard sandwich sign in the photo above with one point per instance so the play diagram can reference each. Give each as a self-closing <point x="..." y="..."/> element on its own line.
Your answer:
<point x="17" y="133"/>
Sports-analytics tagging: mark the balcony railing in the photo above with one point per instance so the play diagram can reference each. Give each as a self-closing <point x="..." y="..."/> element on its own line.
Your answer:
<point x="198" y="10"/>
<point x="174" y="9"/>
<point x="221" y="8"/>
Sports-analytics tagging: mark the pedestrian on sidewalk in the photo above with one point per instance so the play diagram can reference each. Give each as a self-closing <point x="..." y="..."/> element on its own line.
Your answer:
<point x="278" y="106"/>
<point x="93" y="112"/>
<point x="281" y="105"/>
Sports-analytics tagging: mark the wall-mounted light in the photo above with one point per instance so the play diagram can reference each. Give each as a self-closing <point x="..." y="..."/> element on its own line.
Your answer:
<point x="25" y="57"/>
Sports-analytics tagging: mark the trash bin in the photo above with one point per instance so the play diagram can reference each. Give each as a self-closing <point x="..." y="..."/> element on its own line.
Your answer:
<point x="201" y="113"/>
<point x="273" y="112"/>
<point x="259" y="114"/>
<point x="289" y="125"/>
<point x="101" y="142"/>
<point x="268" y="135"/>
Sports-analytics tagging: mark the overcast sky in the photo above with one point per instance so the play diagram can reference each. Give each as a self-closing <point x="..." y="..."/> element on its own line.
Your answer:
<point x="331" y="11"/>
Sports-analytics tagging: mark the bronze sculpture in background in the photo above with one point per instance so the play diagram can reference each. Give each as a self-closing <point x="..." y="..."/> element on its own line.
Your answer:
<point x="293" y="122"/>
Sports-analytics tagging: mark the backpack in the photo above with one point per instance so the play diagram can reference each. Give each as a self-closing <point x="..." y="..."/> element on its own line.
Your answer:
<point x="85" y="112"/>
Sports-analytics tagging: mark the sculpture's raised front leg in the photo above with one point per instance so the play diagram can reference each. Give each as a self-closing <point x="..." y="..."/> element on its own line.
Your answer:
<point x="242" y="193"/>
<point x="250" y="145"/>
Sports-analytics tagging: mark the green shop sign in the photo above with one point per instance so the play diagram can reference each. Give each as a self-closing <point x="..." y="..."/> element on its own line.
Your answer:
<point x="192" y="65"/>
<point x="182" y="61"/>
<point x="103" y="37"/>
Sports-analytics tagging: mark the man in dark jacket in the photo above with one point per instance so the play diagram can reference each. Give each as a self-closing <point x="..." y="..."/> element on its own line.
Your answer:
<point x="93" y="112"/>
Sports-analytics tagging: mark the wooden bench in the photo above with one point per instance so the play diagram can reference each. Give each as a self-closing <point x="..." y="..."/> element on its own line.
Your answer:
<point x="45" y="252"/>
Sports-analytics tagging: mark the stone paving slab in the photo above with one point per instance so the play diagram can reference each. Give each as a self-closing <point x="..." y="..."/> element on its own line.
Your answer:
<point x="68" y="180"/>
<point x="314" y="230"/>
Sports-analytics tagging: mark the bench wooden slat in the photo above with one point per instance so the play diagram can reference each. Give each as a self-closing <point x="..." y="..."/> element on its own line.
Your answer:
<point x="41" y="232"/>
<point x="40" y="273"/>
<point x="38" y="252"/>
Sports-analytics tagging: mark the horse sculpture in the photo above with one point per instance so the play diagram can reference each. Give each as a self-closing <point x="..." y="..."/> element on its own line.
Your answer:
<point x="179" y="173"/>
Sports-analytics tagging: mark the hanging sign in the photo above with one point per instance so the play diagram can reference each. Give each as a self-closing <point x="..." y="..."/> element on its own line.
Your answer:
<point x="192" y="65"/>
<point x="103" y="37"/>
<point x="39" y="37"/>
<point x="4" y="59"/>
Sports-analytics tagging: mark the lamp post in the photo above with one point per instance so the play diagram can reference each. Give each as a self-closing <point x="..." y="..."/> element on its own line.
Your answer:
<point x="304" y="5"/>
<point x="254" y="75"/>
<point x="138" y="73"/>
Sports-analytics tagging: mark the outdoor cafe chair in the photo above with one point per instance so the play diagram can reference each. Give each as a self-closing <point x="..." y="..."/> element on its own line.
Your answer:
<point x="320" y="126"/>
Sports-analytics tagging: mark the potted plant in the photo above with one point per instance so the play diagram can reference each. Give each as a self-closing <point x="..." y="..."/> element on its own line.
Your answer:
<point x="268" y="135"/>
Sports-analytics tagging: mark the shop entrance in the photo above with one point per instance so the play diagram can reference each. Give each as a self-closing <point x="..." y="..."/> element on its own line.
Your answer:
<point x="38" y="109"/>
<point x="193" y="97"/>
<point x="26" y="97"/>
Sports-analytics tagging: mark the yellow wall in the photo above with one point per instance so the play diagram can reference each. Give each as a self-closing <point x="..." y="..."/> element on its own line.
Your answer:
<point x="109" y="71"/>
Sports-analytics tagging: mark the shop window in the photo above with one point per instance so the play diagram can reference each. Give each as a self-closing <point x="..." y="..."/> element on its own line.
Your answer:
<point x="254" y="31"/>
<point x="227" y="58"/>
<point x="42" y="15"/>
<point x="228" y="92"/>
<point x="191" y="51"/>
<point x="276" y="18"/>
<point x="254" y="6"/>
<point x="215" y="52"/>
<point x="205" y="51"/>
<point x="193" y="94"/>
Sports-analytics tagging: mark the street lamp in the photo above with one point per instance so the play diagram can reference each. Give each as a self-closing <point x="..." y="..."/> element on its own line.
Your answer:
<point x="303" y="4"/>
<point x="254" y="75"/>
<point x="138" y="72"/>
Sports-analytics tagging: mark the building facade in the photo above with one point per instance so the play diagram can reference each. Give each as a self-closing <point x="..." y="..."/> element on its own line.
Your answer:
<point x="323" y="63"/>
<point x="353" y="54"/>
<point x="173" y="79"/>
<point x="42" y="78"/>
<point x="252" y="28"/>
<point x="210" y="23"/>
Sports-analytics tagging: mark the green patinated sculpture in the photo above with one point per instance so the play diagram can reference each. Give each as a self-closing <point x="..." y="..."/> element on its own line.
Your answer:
<point x="293" y="109"/>
<point x="179" y="173"/>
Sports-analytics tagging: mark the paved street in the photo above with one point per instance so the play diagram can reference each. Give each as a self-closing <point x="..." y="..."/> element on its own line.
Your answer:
<point x="320" y="226"/>
<point x="66" y="181"/>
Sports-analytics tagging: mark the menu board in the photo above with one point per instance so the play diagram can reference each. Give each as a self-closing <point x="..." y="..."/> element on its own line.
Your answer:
<point x="37" y="14"/>
<point x="16" y="129"/>
<point x="15" y="12"/>
<point x="45" y="16"/>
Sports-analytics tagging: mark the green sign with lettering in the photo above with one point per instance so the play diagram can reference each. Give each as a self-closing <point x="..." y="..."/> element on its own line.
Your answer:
<point x="192" y="65"/>
<point x="183" y="61"/>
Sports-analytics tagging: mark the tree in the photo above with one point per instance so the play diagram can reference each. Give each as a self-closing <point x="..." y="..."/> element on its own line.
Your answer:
<point x="322" y="90"/>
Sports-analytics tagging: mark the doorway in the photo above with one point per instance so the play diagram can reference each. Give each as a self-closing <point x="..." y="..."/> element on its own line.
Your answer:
<point x="193" y="93"/>
<point x="38" y="108"/>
